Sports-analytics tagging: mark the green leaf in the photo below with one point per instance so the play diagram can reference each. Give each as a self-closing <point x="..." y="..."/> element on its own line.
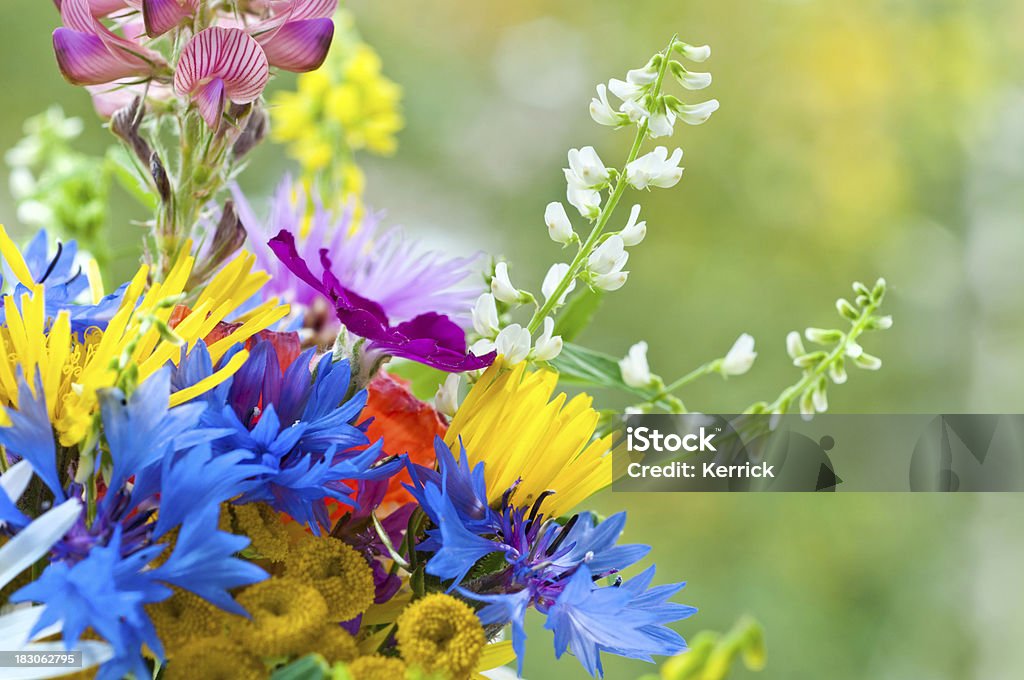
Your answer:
<point x="578" y="313"/>
<point x="581" y="366"/>
<point x="126" y="173"/>
<point x="310" y="667"/>
<point x="423" y="380"/>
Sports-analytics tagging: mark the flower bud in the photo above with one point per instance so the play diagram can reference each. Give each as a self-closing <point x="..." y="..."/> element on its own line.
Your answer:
<point x="846" y="310"/>
<point x="446" y="400"/>
<point x="868" y="362"/>
<point x="740" y="357"/>
<point x="485" y="316"/>
<point x="661" y="123"/>
<point x="794" y="345"/>
<point x="837" y="371"/>
<point x="586" y="201"/>
<point x="822" y="336"/>
<point x="501" y="285"/>
<point x="696" y="53"/>
<point x="514" y="343"/>
<point x="554" y="276"/>
<point x="559" y="226"/>
<point x="547" y="347"/>
<point x="611" y="281"/>
<point x="634" y="367"/>
<point x="634" y="232"/>
<point x="646" y="75"/>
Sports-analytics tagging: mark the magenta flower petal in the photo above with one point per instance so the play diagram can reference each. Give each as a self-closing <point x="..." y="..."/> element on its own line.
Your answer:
<point x="229" y="55"/>
<point x="163" y="15"/>
<point x="209" y="99"/>
<point x="88" y="53"/>
<point x="299" y="46"/>
<point x="84" y="59"/>
<point x="431" y="338"/>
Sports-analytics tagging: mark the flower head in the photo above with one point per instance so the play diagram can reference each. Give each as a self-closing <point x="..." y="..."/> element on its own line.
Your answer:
<point x="440" y="634"/>
<point x="220" y="65"/>
<point x="379" y="264"/>
<point x="531" y="442"/>
<point x="429" y="338"/>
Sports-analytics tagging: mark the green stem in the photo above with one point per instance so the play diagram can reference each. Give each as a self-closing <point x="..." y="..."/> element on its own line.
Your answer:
<point x="698" y="372"/>
<point x="577" y="264"/>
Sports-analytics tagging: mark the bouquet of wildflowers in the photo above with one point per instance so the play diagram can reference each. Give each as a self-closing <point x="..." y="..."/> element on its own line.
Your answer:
<point x="234" y="464"/>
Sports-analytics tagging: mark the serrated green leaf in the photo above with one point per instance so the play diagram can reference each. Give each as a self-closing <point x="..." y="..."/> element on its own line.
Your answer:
<point x="578" y="313"/>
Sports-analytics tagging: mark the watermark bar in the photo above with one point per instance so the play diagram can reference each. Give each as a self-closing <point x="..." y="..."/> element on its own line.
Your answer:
<point x="827" y="453"/>
<point x="41" y="659"/>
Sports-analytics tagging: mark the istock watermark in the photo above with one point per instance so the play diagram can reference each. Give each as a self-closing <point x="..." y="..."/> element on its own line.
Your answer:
<point x="700" y="452"/>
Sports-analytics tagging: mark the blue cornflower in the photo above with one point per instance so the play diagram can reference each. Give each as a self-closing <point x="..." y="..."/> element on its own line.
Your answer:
<point x="103" y="570"/>
<point x="298" y="423"/>
<point x="65" y="284"/>
<point x="547" y="565"/>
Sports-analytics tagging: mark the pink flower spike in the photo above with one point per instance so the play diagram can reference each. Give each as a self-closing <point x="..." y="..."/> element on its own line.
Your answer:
<point x="221" y="64"/>
<point x="88" y="53"/>
<point x="299" y="46"/>
<point x="163" y="15"/>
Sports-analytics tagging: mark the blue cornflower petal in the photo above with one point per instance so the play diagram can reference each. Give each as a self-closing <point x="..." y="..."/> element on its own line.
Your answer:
<point x="460" y="548"/>
<point x="30" y="435"/>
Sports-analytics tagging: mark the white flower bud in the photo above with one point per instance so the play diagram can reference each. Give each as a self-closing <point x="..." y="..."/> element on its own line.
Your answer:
<point x="883" y="323"/>
<point x="551" y="280"/>
<point x="867" y="361"/>
<point x="482" y="347"/>
<point x="634" y="232"/>
<point x="820" y="399"/>
<point x="446" y="400"/>
<point x="794" y="345"/>
<point x="697" y="53"/>
<point x="586" y="201"/>
<point x="485" y="316"/>
<point x="602" y="112"/>
<point x="695" y="114"/>
<point x="643" y="76"/>
<point x="35" y="213"/>
<point x="559" y="226"/>
<point x="656" y="169"/>
<point x="634" y="367"/>
<point x="22" y="182"/>
<point x="611" y="281"/>
<point x="694" y="81"/>
<point x="514" y="343"/>
<point x="547" y="347"/>
<point x="608" y="257"/>
<point x="586" y="169"/>
<point x="853" y="350"/>
<point x="501" y="285"/>
<point x="740" y="357"/>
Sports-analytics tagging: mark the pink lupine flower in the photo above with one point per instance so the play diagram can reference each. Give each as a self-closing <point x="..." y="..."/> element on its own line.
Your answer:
<point x="220" y="65"/>
<point x="298" y="36"/>
<point x="88" y="53"/>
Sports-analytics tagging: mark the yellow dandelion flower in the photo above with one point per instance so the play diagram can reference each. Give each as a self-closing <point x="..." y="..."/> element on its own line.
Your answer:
<point x="73" y="369"/>
<point x="215" y="658"/>
<point x="377" y="668"/>
<point x="285" y="612"/>
<point x="339" y="573"/>
<point x="441" y="635"/>
<point x="510" y="422"/>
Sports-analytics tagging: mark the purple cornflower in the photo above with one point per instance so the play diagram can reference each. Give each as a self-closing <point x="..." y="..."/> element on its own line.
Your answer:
<point x="380" y="264"/>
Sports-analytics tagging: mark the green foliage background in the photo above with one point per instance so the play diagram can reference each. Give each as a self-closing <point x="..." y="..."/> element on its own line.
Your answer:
<point x="854" y="140"/>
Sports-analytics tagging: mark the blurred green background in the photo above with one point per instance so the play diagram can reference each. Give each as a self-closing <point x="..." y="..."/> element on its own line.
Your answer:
<point x="855" y="139"/>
